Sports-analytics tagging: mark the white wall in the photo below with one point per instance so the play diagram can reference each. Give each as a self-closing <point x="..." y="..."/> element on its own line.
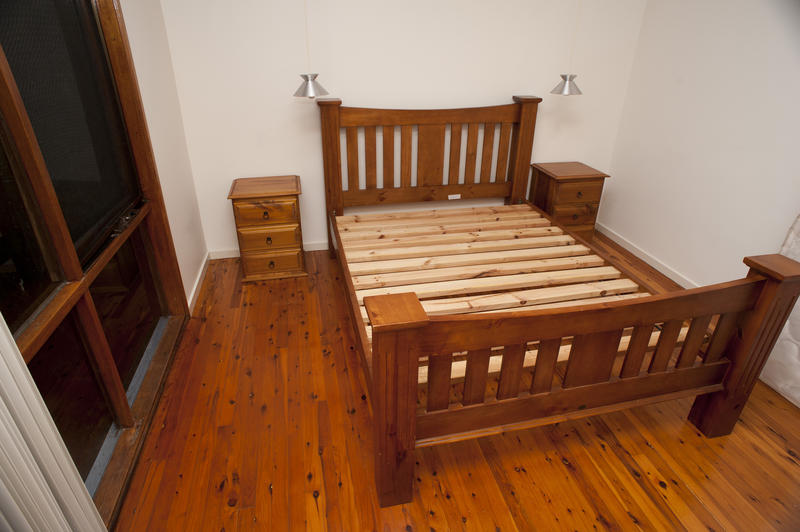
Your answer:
<point x="706" y="167"/>
<point x="237" y="65"/>
<point x="150" y="50"/>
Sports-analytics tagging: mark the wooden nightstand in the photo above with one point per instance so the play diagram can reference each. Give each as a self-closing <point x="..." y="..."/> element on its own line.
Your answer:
<point x="569" y="192"/>
<point x="267" y="214"/>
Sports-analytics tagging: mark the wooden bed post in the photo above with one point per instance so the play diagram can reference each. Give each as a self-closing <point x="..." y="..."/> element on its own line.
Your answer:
<point x="332" y="161"/>
<point x="521" y="147"/>
<point x="715" y="414"/>
<point x="395" y="364"/>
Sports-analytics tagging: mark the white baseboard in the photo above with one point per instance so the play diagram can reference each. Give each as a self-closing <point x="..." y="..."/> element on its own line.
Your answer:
<point x="320" y="245"/>
<point x="223" y="254"/>
<point x="647" y="257"/>
<point x="197" y="284"/>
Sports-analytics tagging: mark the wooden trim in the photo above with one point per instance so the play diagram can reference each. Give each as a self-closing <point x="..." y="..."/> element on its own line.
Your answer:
<point x="48" y="317"/>
<point x="361" y="116"/>
<point x="102" y="361"/>
<point x="24" y="139"/>
<point x="109" y="494"/>
<point x="115" y="35"/>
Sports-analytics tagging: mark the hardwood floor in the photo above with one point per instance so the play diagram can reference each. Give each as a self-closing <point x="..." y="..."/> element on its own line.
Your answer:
<point x="265" y="425"/>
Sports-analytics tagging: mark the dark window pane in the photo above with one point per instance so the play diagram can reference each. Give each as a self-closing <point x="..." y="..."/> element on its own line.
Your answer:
<point x="59" y="63"/>
<point x="62" y="373"/>
<point x="25" y="279"/>
<point x="127" y="302"/>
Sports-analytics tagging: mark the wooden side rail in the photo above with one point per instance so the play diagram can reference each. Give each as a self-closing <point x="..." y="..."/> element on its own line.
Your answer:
<point x="496" y="166"/>
<point x="720" y="366"/>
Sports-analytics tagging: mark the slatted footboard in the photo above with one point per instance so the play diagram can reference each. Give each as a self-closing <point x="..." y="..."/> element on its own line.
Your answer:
<point x="730" y="329"/>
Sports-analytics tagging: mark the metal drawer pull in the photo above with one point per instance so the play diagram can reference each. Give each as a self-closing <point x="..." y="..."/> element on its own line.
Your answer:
<point x="574" y="216"/>
<point x="266" y="215"/>
<point x="272" y="265"/>
<point x="580" y="194"/>
<point x="269" y="240"/>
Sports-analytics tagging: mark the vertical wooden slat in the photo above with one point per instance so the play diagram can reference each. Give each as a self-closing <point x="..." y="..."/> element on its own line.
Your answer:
<point x="486" y="152"/>
<point x="591" y="358"/>
<point x="475" y="376"/>
<point x="472" y="152"/>
<point x="388" y="156"/>
<point x="511" y="371"/>
<point x="405" y="156"/>
<point x="546" y="359"/>
<point x="102" y="361"/>
<point x="352" y="158"/>
<point x="694" y="338"/>
<point x="369" y="157"/>
<point x="722" y="336"/>
<point x="439" y="367"/>
<point x="502" y="153"/>
<point x="430" y="154"/>
<point x="455" y="153"/>
<point x="637" y="347"/>
<point x="666" y="344"/>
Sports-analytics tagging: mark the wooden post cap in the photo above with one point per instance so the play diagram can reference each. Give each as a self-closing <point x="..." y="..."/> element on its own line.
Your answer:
<point x="393" y="312"/>
<point x="329" y="101"/>
<point x="776" y="266"/>
<point x="526" y="99"/>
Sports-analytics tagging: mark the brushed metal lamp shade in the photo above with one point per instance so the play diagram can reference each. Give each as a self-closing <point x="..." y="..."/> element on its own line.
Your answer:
<point x="310" y="88"/>
<point x="567" y="86"/>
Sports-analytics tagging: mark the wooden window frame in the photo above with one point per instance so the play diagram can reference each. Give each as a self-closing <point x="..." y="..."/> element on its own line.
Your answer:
<point x="73" y="293"/>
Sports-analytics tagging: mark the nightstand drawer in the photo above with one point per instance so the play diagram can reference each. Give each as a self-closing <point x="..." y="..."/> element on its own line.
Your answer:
<point x="257" y="264"/>
<point x="579" y="192"/>
<point x="265" y="211"/>
<point x="575" y="214"/>
<point x="266" y="237"/>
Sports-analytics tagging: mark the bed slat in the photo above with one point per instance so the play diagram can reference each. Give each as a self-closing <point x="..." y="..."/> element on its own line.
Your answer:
<point x="347" y="228"/>
<point x="640" y="339"/>
<point x="592" y="358"/>
<point x="352" y="158"/>
<point x="511" y="371"/>
<point x="472" y="152"/>
<point x="691" y="346"/>
<point x="476" y="373"/>
<point x="486" y="153"/>
<point x="455" y="153"/>
<point x="455" y="249"/>
<point x="430" y="154"/>
<point x="388" y="156"/>
<point x="666" y="344"/>
<point x="370" y="157"/>
<point x="546" y="359"/>
<point x="405" y="157"/>
<point x="463" y="233"/>
<point x="503" y="152"/>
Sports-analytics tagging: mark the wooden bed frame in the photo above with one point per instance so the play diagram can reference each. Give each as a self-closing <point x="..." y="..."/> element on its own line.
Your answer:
<point x="729" y="333"/>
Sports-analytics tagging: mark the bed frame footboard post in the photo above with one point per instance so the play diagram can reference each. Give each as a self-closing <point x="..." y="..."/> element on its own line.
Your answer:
<point x="395" y="362"/>
<point x="715" y="414"/>
<point x="521" y="146"/>
<point x="331" y="161"/>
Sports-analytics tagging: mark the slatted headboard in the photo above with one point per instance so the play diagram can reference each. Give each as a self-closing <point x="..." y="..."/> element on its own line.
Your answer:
<point x="397" y="156"/>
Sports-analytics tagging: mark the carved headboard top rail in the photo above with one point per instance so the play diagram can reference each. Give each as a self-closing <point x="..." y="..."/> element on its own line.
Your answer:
<point x="374" y="156"/>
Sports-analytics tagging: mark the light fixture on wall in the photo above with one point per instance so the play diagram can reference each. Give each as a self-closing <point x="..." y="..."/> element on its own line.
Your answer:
<point x="567" y="86"/>
<point x="310" y="88"/>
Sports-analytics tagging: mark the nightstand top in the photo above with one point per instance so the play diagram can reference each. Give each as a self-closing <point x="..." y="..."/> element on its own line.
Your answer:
<point x="569" y="170"/>
<point x="260" y="187"/>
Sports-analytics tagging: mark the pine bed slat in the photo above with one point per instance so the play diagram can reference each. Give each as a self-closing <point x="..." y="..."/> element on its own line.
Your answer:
<point x="455" y="249"/>
<point x="366" y="238"/>
<point x="476" y="271"/>
<point x="506" y="282"/>
<point x="351" y="227"/>
<point x="450" y="238"/>
<point x="448" y="261"/>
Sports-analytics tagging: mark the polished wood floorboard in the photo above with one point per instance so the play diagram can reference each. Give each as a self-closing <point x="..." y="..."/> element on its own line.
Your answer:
<point x="264" y="424"/>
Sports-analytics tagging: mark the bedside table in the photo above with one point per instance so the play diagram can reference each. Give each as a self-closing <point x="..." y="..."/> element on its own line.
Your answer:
<point x="569" y="192"/>
<point x="267" y="214"/>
